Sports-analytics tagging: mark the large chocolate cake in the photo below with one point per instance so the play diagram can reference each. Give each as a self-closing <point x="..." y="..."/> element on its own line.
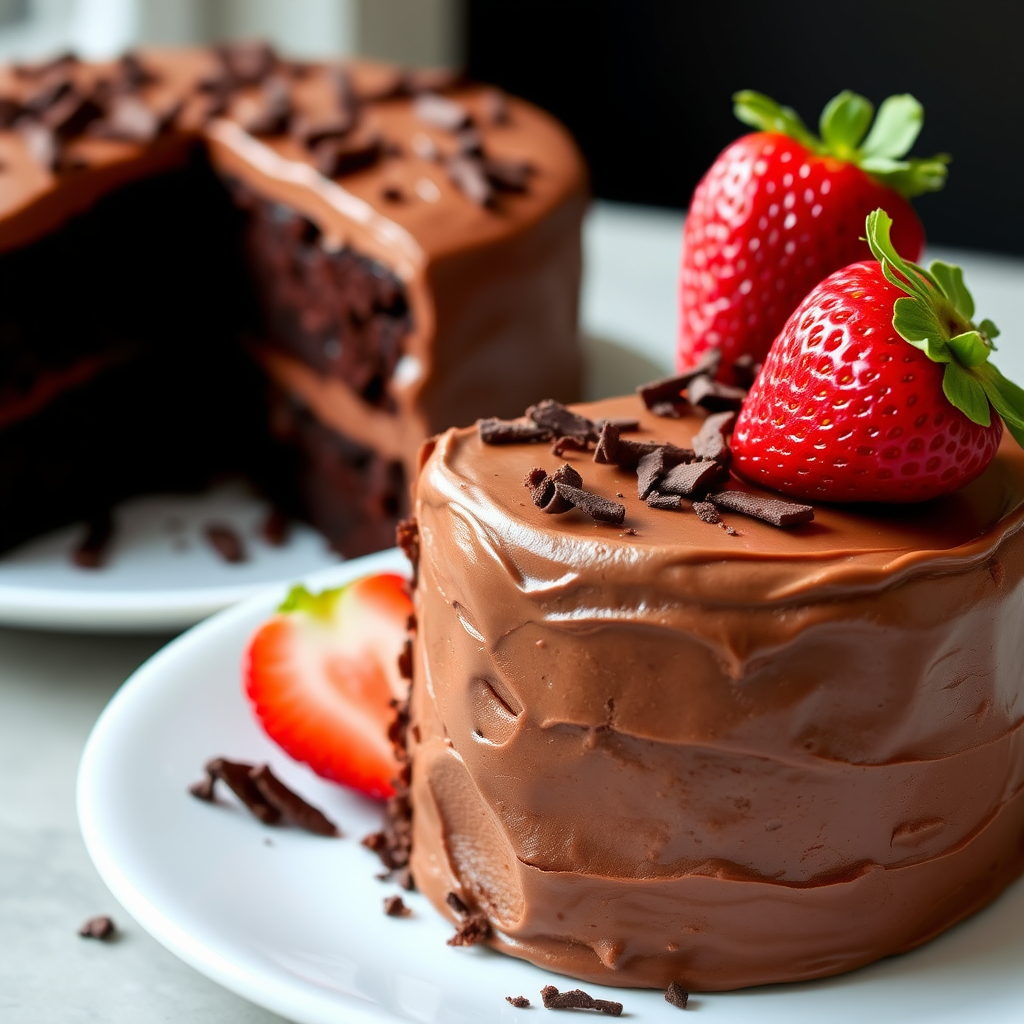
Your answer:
<point x="219" y="261"/>
<point x="673" y="744"/>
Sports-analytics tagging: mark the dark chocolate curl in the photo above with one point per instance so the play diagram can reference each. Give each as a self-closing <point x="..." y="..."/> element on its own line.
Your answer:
<point x="710" y="441"/>
<point x="713" y="395"/>
<point x="691" y="478"/>
<point x="768" y="510"/>
<point x="599" y="509"/>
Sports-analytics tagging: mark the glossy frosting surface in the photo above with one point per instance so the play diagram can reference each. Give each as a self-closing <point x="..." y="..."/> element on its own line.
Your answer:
<point x="678" y="754"/>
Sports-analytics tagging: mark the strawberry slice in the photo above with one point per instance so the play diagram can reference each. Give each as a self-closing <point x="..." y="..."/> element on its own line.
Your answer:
<point x="322" y="676"/>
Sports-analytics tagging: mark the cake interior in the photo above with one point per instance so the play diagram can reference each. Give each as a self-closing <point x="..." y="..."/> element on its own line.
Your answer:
<point x="127" y="343"/>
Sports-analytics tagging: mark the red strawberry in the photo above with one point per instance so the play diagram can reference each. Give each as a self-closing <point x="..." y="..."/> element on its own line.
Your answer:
<point x="781" y="209"/>
<point x="322" y="675"/>
<point x="879" y="387"/>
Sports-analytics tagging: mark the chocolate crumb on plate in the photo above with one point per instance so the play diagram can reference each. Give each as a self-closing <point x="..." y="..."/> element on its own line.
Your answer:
<point x="394" y="906"/>
<point x="101" y="927"/>
<point x="235" y="775"/>
<point x="577" y="999"/>
<point x="290" y="805"/>
<point x="275" y="527"/>
<point x="677" y="995"/>
<point x="495" y="431"/>
<point x="98" y="534"/>
<point x="706" y="512"/>
<point x="226" y="542"/>
<point x="519" y="1002"/>
<point x="768" y="510"/>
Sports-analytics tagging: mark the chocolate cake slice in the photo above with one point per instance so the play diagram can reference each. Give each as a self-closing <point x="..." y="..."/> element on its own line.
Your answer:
<point x="217" y="261"/>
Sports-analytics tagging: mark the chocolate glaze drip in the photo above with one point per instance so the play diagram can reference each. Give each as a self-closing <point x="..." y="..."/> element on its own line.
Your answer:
<point x="683" y="756"/>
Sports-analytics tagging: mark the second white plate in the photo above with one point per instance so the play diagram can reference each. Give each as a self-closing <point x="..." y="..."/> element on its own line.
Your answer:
<point x="295" y="922"/>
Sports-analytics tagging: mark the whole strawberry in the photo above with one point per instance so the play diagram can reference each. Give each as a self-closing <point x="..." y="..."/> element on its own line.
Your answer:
<point x="879" y="387"/>
<point x="781" y="209"/>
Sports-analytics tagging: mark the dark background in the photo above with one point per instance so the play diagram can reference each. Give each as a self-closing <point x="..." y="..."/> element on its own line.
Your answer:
<point x="645" y="86"/>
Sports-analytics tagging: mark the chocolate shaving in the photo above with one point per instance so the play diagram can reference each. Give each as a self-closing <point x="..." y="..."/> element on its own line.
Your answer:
<point x="668" y="502"/>
<point x="407" y="537"/>
<point x="495" y="104"/>
<point x="691" y="478"/>
<point x="577" y="999"/>
<point x="290" y="805"/>
<point x="508" y="175"/>
<point x="394" y="906"/>
<point x="441" y="112"/>
<point x="768" y="510"/>
<point x="457" y="905"/>
<point x="102" y="927"/>
<point x="71" y="115"/>
<point x="129" y="119"/>
<point x="467" y="174"/>
<point x="204" y="789"/>
<point x="495" y="431"/>
<point x="612" y="449"/>
<point x="235" y="775"/>
<point x="474" y="930"/>
<point x="275" y="528"/>
<point x="98" y="534"/>
<point x="42" y="144"/>
<point x="247" y="62"/>
<point x="561" y="420"/>
<point x="710" y="441"/>
<point x="713" y="395"/>
<point x="677" y="995"/>
<point x="271" y="113"/>
<point x="49" y="93"/>
<point x="669" y="389"/>
<point x="623" y="424"/>
<point x="651" y="468"/>
<point x="602" y="510"/>
<point x="568" y="443"/>
<point x="706" y="512"/>
<point x="519" y="1002"/>
<point x="405" y="661"/>
<point x="745" y="371"/>
<point x="226" y="542"/>
<point x="132" y="73"/>
<point x="470" y="142"/>
<point x="309" y="132"/>
<point x="337" y="157"/>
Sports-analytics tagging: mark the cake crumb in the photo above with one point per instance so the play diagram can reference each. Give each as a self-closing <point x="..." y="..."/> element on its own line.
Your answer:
<point x="519" y="1002"/>
<point x="677" y="995"/>
<point x="577" y="999"/>
<point x="101" y="927"/>
<point x="394" y="906"/>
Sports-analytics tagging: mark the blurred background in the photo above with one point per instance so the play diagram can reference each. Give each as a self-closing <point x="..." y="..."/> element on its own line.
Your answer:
<point x="645" y="84"/>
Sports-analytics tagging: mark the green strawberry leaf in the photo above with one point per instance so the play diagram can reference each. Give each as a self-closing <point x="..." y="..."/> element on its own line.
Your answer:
<point x="917" y="324"/>
<point x="1006" y="397"/>
<point x="844" y="121"/>
<point x="320" y="606"/>
<point x="896" y="128"/>
<point x="950" y="279"/>
<point x="965" y="392"/>
<point x="990" y="331"/>
<point x="969" y="349"/>
<point x="762" y="112"/>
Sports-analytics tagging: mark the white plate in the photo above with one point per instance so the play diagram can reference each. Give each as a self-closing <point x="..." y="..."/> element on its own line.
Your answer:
<point x="160" y="572"/>
<point x="295" y="923"/>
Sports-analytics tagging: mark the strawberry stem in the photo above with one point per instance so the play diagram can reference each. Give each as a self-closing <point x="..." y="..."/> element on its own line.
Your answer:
<point x="843" y="125"/>
<point x="936" y="317"/>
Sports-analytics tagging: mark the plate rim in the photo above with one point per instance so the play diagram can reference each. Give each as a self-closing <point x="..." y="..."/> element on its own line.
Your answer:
<point x="264" y="991"/>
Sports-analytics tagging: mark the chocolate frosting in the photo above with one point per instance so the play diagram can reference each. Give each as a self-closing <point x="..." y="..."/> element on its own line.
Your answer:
<point x="492" y="289"/>
<point x="677" y="754"/>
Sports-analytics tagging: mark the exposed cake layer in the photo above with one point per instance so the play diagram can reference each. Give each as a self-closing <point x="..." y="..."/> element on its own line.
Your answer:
<point x="663" y="752"/>
<point x="411" y="260"/>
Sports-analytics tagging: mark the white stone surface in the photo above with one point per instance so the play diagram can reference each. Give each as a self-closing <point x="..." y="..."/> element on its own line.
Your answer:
<point x="53" y="686"/>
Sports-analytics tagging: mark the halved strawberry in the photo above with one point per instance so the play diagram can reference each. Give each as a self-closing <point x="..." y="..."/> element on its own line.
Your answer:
<point x="322" y="675"/>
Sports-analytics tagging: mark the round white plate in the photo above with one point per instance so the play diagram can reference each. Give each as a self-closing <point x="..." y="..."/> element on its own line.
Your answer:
<point x="160" y="572"/>
<point x="295" y="923"/>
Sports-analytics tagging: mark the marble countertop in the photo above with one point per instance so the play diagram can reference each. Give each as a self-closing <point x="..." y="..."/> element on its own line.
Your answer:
<point x="53" y="686"/>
